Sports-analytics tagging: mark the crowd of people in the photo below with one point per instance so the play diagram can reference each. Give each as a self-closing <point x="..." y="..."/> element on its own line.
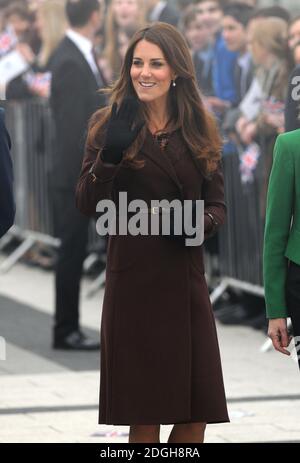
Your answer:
<point x="243" y="57"/>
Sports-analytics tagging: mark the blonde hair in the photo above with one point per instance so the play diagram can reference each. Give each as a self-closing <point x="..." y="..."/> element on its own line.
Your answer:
<point x="54" y="17"/>
<point x="272" y="34"/>
<point x="111" y="35"/>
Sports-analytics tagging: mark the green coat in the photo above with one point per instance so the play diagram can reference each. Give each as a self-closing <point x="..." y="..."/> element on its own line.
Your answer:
<point x="282" y="227"/>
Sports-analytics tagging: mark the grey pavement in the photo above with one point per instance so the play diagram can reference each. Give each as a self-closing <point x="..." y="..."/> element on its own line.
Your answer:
<point x="52" y="396"/>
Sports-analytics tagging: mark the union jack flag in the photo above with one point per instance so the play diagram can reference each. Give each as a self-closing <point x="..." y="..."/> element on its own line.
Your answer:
<point x="39" y="82"/>
<point x="248" y="162"/>
<point x="8" y="41"/>
<point x="273" y="106"/>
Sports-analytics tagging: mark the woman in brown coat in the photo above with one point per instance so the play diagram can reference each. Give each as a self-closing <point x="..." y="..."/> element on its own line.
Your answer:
<point x="160" y="360"/>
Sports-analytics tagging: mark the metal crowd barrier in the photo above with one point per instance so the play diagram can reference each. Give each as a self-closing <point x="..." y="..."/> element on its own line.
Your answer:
<point x="241" y="237"/>
<point x="31" y="129"/>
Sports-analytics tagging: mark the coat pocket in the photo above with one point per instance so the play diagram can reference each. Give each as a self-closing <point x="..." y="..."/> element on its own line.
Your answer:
<point x="196" y="258"/>
<point x="122" y="252"/>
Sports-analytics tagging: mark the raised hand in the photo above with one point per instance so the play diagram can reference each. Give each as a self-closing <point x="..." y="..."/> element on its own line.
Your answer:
<point x="120" y="134"/>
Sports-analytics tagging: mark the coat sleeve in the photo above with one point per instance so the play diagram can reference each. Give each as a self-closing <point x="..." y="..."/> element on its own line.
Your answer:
<point x="7" y="203"/>
<point x="214" y="203"/>
<point x="279" y="213"/>
<point x="95" y="181"/>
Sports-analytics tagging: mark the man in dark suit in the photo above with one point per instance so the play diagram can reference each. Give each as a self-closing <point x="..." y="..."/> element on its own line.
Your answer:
<point x="162" y="11"/>
<point x="76" y="78"/>
<point x="7" y="203"/>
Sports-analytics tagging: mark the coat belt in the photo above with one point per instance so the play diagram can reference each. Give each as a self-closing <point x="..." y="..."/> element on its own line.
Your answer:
<point x="151" y="210"/>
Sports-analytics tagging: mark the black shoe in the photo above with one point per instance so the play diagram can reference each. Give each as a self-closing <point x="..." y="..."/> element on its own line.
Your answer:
<point x="76" y="341"/>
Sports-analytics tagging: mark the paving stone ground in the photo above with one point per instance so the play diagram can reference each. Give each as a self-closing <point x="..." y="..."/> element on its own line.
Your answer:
<point x="52" y="396"/>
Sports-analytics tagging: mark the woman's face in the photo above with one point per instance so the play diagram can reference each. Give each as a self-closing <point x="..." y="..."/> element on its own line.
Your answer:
<point x="211" y="14"/>
<point x="150" y="66"/>
<point x="126" y="12"/>
<point x="198" y="35"/>
<point x="294" y="34"/>
<point x="258" y="52"/>
<point x="19" y="24"/>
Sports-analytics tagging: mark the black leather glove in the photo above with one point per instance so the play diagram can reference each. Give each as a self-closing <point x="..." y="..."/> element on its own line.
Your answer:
<point x="183" y="236"/>
<point x="191" y="220"/>
<point x="120" y="135"/>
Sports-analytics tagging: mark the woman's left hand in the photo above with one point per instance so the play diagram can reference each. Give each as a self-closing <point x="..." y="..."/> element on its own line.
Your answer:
<point x="249" y="132"/>
<point x="278" y="333"/>
<point x="275" y="120"/>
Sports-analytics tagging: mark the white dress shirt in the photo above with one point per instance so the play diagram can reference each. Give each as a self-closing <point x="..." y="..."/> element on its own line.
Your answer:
<point x="85" y="46"/>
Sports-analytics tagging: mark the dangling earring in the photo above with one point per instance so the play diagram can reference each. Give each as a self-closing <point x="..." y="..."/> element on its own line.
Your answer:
<point x="173" y="83"/>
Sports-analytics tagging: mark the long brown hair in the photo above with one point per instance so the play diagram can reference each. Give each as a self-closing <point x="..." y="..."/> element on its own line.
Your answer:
<point x="186" y="109"/>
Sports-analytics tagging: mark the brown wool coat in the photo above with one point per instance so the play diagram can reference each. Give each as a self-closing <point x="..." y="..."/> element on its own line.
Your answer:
<point x="160" y="360"/>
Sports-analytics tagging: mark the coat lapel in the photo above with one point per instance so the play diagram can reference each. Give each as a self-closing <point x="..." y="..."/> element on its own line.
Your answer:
<point x="152" y="150"/>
